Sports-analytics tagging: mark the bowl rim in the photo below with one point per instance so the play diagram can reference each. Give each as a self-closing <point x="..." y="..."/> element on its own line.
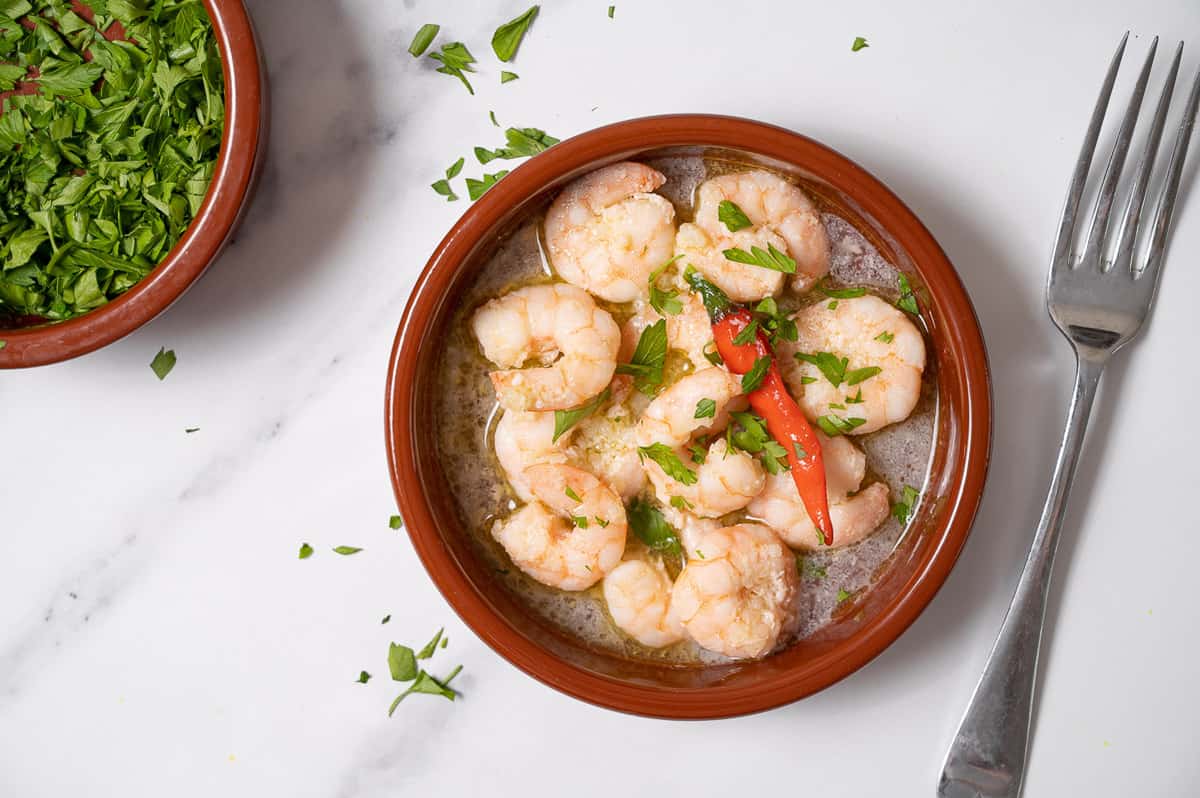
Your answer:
<point x="238" y="161"/>
<point x="624" y="139"/>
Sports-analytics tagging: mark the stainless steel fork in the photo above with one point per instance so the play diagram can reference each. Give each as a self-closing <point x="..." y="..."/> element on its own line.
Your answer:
<point x="1099" y="302"/>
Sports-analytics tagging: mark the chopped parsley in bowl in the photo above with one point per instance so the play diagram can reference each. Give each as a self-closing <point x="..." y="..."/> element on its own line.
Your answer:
<point x="111" y="118"/>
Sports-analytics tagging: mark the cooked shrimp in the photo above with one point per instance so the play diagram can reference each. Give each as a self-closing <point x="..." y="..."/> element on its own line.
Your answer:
<point x="523" y="439"/>
<point x="607" y="231"/>
<point x="737" y="597"/>
<point x="868" y="332"/>
<point x="691" y="528"/>
<point x="562" y="541"/>
<point x="780" y="215"/>
<point x="855" y="515"/>
<point x="688" y="331"/>
<point x="606" y="442"/>
<point x="725" y="481"/>
<point x="638" y="594"/>
<point x="559" y="326"/>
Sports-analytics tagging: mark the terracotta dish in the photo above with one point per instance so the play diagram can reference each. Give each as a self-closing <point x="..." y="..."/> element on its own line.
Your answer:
<point x="243" y="147"/>
<point x="869" y="622"/>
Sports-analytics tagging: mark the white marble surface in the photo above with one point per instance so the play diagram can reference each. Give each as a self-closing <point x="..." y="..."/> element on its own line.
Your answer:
<point x="158" y="635"/>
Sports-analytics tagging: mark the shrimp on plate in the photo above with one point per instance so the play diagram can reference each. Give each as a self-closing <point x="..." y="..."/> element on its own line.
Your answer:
<point x="607" y="231"/>
<point x="726" y="480"/>
<point x="855" y="513"/>
<point x="571" y="534"/>
<point x="781" y="216"/>
<point x="638" y="594"/>
<point x="884" y="353"/>
<point x="738" y="596"/>
<point x="688" y="331"/>
<point x="560" y="327"/>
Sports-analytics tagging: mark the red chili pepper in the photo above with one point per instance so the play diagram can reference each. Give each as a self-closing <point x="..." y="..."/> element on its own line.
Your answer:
<point x="771" y="400"/>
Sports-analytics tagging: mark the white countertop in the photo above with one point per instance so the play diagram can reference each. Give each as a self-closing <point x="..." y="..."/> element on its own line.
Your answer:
<point x="159" y="636"/>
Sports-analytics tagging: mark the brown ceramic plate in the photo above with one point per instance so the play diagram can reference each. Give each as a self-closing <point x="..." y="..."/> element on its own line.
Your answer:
<point x="243" y="145"/>
<point x="916" y="570"/>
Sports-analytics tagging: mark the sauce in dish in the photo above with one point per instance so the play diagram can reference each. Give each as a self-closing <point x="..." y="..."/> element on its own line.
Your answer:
<point x="606" y="459"/>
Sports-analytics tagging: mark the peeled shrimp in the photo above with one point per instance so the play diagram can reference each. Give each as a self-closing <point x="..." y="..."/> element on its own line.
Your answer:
<point x="523" y="439"/>
<point x="558" y="540"/>
<point x="638" y="594"/>
<point x="545" y="322"/>
<point x="867" y="332"/>
<point x="607" y="231"/>
<point x="737" y="596"/>
<point x="855" y="515"/>
<point x="606" y="442"/>
<point x="688" y="331"/>
<point x="725" y="481"/>
<point x="781" y="216"/>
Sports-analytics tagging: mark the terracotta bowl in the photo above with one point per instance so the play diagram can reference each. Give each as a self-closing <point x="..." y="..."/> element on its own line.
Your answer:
<point x="243" y="146"/>
<point x="913" y="574"/>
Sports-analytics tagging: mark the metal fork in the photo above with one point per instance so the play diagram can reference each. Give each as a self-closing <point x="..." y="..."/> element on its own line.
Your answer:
<point x="1099" y="303"/>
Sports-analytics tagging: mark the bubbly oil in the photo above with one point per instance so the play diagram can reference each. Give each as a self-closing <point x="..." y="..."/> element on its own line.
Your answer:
<point x="467" y="411"/>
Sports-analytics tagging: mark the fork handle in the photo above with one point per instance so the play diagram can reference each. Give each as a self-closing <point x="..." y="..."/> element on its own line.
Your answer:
<point x="987" y="757"/>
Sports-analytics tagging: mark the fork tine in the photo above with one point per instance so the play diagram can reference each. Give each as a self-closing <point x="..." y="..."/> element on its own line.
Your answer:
<point x="1062" y="243"/>
<point x="1166" y="203"/>
<point x="1133" y="209"/>
<point x="1094" y="249"/>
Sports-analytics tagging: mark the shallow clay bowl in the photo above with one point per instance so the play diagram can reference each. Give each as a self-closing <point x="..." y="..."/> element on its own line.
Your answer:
<point x="243" y="146"/>
<point x="859" y="631"/>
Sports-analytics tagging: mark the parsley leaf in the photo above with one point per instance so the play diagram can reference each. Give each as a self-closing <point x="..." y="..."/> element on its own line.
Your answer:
<point x="843" y="594"/>
<point x="706" y="408"/>
<point x="443" y="188"/>
<point x="680" y="503"/>
<point x="855" y="376"/>
<point x="565" y="419"/>
<point x="455" y="168"/>
<point x="669" y="462"/>
<point x="423" y="38"/>
<point x="455" y="60"/>
<point x="757" y="373"/>
<point x="829" y="364"/>
<point x="646" y="365"/>
<point x="666" y="302"/>
<point x="162" y="363"/>
<point x="908" y="299"/>
<point x="431" y="646"/>
<point x="508" y="77"/>
<point x="395" y="522"/>
<point x="841" y="293"/>
<point x="507" y="37"/>
<point x="305" y="551"/>
<point x="733" y="217"/>
<point x="363" y="677"/>
<point x="771" y="258"/>
<point x="651" y="527"/>
<point x="833" y="425"/>
<point x="571" y="494"/>
<point x="346" y="551"/>
<point x="885" y="336"/>
<point x="858" y="44"/>
<point x="580" y="521"/>
<point x="476" y="188"/>
<point x="424" y="683"/>
<point x="611" y="10"/>
<point x="386" y="618"/>
<point x="902" y="510"/>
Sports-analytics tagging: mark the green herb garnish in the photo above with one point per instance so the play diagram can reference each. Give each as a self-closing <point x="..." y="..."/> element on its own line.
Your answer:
<point x="455" y="60"/>
<point x="508" y="77"/>
<point x="565" y="419"/>
<point x="771" y="258"/>
<point x="104" y="168"/>
<point x="807" y="380"/>
<point x="858" y="44"/>
<point x="431" y="646"/>
<point x="733" y="217"/>
<point x="386" y="618"/>
<point x="902" y="510"/>
<point x="162" y="363"/>
<point x="580" y="521"/>
<point x="842" y="595"/>
<point x="395" y="522"/>
<point x="757" y="373"/>
<point x="747" y="335"/>
<point x="775" y="322"/>
<point x="507" y="37"/>
<point x="833" y="425"/>
<point x="664" y="301"/>
<point x="454" y="168"/>
<point x="855" y="376"/>
<point x="646" y="365"/>
<point x="423" y="38"/>
<point x="305" y="551"/>
<point x="424" y="683"/>
<point x="885" y="336"/>
<point x="571" y="494"/>
<point x="706" y="408"/>
<point x="346" y="551"/>
<point x="190" y="430"/>
<point x="363" y="677"/>
<point x="651" y="527"/>
<point x="829" y="364"/>
<point x="841" y="293"/>
<point x="669" y="462"/>
<point x="476" y="188"/>
<point x="908" y="299"/>
<point x="680" y="503"/>
<point x="611" y="10"/>
<point x="442" y="187"/>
